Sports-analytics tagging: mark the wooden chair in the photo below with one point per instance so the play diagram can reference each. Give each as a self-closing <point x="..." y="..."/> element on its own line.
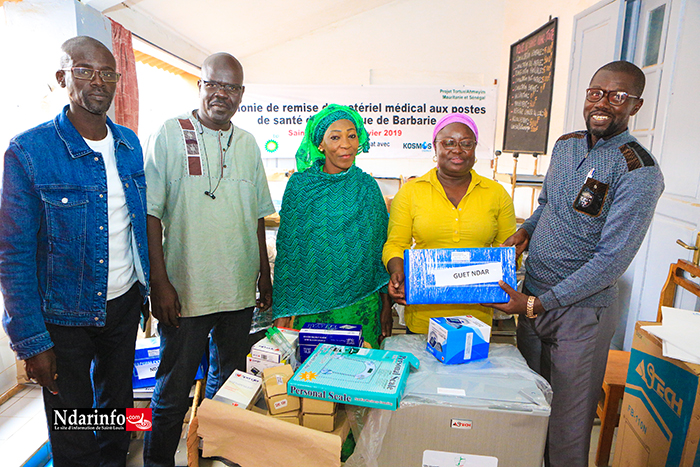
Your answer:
<point x="618" y="362"/>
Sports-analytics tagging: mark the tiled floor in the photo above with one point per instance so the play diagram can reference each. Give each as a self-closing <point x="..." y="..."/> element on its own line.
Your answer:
<point x="22" y="427"/>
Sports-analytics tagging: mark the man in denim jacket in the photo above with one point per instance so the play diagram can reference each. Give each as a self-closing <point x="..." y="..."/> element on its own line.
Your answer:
<point x="73" y="254"/>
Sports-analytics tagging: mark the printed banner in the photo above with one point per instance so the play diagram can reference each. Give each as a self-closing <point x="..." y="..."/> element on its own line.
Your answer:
<point x="399" y="119"/>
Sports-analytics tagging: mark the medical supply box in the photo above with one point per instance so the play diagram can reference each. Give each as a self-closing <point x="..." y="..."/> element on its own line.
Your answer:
<point x="351" y="375"/>
<point x="458" y="339"/>
<point x="458" y="275"/>
<point x="147" y="360"/>
<point x="266" y="350"/>
<point x="330" y="333"/>
<point x="313" y="334"/>
<point x="240" y="390"/>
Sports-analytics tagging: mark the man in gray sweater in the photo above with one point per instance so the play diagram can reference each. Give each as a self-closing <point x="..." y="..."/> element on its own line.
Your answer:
<point x="595" y="208"/>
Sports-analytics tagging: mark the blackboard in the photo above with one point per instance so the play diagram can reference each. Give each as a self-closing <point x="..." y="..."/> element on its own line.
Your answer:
<point x="529" y="98"/>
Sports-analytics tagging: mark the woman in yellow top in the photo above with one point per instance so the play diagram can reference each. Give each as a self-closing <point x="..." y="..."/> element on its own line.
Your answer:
<point x="449" y="207"/>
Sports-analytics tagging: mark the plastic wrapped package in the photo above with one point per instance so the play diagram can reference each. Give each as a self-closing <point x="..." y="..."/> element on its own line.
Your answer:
<point x="458" y="275"/>
<point x="263" y="319"/>
<point x="502" y="382"/>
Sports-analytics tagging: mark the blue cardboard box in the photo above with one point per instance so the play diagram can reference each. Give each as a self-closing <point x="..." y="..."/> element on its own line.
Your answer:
<point x="147" y="348"/>
<point x="352" y="375"/>
<point x="660" y="411"/>
<point x="458" y="275"/>
<point x="313" y="334"/>
<point x="458" y="339"/>
<point x="329" y="333"/>
<point x="305" y="352"/>
<point x="147" y="359"/>
<point x="144" y="375"/>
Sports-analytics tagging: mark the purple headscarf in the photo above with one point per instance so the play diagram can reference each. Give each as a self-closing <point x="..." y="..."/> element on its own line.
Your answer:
<point x="456" y="118"/>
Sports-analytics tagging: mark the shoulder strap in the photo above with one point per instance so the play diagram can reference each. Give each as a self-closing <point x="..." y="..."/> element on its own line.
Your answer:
<point x="189" y="137"/>
<point x="575" y="134"/>
<point x="636" y="156"/>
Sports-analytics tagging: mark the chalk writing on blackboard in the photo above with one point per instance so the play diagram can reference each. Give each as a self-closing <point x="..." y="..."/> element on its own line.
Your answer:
<point x="529" y="98"/>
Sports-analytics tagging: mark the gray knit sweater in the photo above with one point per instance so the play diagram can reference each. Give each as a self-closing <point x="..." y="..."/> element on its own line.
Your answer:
<point x="577" y="257"/>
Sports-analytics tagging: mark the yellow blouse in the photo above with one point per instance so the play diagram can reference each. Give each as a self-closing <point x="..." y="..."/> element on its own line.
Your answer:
<point x="421" y="212"/>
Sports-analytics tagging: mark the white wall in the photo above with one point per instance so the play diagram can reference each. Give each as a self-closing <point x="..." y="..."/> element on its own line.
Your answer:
<point x="450" y="42"/>
<point x="31" y="33"/>
<point x="27" y="98"/>
<point x="36" y="30"/>
<point x="520" y="19"/>
<point x="415" y="42"/>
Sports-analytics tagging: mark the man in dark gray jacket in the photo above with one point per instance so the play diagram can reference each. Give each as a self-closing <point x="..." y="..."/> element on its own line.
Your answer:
<point x="595" y="208"/>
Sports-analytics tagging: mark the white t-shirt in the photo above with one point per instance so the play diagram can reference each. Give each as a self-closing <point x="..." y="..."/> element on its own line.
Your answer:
<point x="122" y="274"/>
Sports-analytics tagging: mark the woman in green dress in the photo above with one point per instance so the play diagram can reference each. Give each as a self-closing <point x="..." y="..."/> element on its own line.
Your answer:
<point x="333" y="225"/>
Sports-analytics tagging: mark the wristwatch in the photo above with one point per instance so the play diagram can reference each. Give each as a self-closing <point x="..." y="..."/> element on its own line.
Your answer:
<point x="530" y="311"/>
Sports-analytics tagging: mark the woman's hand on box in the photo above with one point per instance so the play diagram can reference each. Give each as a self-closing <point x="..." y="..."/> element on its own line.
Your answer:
<point x="396" y="280"/>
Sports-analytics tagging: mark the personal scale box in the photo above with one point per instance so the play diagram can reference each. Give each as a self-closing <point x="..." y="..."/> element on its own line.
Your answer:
<point x="458" y="339"/>
<point x="147" y="348"/>
<point x="458" y="275"/>
<point x="660" y="413"/>
<point x="352" y="375"/>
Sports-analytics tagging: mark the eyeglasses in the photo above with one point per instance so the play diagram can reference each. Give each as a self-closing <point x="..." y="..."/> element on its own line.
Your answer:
<point x="614" y="97"/>
<point x="89" y="74"/>
<point x="231" y="89"/>
<point x="465" y="144"/>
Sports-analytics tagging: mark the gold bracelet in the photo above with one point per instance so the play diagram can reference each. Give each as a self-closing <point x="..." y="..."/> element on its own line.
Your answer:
<point x="530" y="313"/>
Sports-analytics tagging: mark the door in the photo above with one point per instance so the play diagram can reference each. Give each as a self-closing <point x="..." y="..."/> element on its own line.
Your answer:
<point x="667" y="47"/>
<point x="597" y="39"/>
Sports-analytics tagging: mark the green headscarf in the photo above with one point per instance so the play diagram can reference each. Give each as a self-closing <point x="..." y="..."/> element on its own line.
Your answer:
<point x="316" y="128"/>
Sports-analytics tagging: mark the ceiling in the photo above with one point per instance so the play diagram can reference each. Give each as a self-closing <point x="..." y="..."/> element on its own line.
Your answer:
<point x="196" y="29"/>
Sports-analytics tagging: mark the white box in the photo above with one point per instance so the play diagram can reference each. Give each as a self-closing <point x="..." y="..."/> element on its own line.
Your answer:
<point x="255" y="366"/>
<point x="458" y="339"/>
<point x="240" y="390"/>
<point x="266" y="350"/>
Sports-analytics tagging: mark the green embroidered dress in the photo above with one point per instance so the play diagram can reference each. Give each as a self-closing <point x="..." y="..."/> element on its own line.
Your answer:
<point x="329" y="250"/>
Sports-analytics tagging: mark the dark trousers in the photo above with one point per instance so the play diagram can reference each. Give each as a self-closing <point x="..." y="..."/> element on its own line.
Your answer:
<point x="569" y="347"/>
<point x="94" y="367"/>
<point x="226" y="336"/>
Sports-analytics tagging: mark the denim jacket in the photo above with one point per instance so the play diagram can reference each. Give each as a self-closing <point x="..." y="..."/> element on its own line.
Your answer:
<point x="54" y="239"/>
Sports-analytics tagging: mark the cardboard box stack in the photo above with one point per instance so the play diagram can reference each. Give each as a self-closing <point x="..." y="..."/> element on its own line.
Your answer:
<point x="280" y="405"/>
<point x="319" y="415"/>
<point x="240" y="390"/>
<point x="265" y="354"/>
<point x="313" y="334"/>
